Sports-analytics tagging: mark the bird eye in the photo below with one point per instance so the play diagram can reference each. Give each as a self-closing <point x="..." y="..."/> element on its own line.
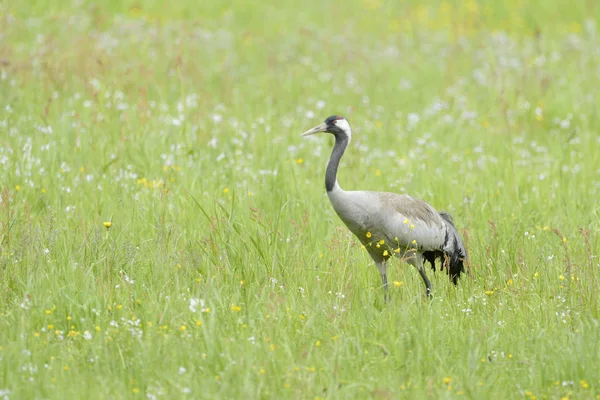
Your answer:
<point x="334" y="121"/>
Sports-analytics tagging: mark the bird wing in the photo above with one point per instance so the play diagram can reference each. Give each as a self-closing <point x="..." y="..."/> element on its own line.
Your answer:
<point x="410" y="219"/>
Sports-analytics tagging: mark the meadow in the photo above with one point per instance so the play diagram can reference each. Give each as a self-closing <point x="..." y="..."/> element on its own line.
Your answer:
<point x="165" y="233"/>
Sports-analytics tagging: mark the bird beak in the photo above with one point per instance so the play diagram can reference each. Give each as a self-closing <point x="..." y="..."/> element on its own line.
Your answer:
<point x="320" y="128"/>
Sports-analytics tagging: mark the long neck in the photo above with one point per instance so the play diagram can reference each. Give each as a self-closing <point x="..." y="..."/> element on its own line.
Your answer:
<point x="341" y="142"/>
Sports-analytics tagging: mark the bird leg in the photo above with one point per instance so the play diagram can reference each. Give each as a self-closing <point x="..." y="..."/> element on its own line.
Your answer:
<point x="417" y="261"/>
<point x="427" y="283"/>
<point x="382" y="271"/>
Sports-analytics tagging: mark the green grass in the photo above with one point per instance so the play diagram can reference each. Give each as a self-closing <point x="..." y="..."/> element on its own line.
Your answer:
<point x="225" y="272"/>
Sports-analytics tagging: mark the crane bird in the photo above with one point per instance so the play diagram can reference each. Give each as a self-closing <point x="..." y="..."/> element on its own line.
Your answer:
<point x="389" y="224"/>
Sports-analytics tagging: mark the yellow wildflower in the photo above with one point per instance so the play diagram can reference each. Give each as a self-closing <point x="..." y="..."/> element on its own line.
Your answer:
<point x="235" y="308"/>
<point x="382" y="241"/>
<point x="584" y="384"/>
<point x="489" y="292"/>
<point x="398" y="283"/>
<point x="368" y="235"/>
<point x="107" y="224"/>
<point x="385" y="253"/>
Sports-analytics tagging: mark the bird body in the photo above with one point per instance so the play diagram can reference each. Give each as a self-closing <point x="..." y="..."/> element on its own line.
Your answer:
<point x="389" y="224"/>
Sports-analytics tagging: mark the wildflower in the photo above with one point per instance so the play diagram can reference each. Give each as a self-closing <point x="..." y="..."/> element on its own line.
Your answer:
<point x="107" y="224"/>
<point x="382" y="241"/>
<point x="66" y="367"/>
<point x="318" y="343"/>
<point x="397" y="251"/>
<point x="406" y="221"/>
<point x="310" y="369"/>
<point x="489" y="292"/>
<point x="334" y="338"/>
<point x="536" y="275"/>
<point x="235" y="308"/>
<point x="50" y="327"/>
<point x="242" y="283"/>
<point x="398" y="283"/>
<point x="564" y="239"/>
<point x="378" y="245"/>
<point x="368" y="235"/>
<point x="584" y="384"/>
<point x="43" y="190"/>
<point x="262" y="371"/>
<point x="385" y="253"/>
<point x="48" y="312"/>
<point x="135" y="390"/>
<point x="199" y="323"/>
<point x="226" y="190"/>
<point x="447" y="380"/>
<point x="182" y="328"/>
<point x="562" y="278"/>
<point x="377" y="172"/>
<point x="510" y="281"/>
<point x="412" y="226"/>
<point x="299" y="161"/>
<point x="18" y="187"/>
<point x="414" y="241"/>
<point x="272" y="347"/>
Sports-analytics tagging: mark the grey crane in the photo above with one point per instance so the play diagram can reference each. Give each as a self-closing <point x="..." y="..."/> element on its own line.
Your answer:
<point x="389" y="224"/>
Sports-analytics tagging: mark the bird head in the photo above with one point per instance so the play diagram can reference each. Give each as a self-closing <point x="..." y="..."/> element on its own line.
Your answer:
<point x="336" y="125"/>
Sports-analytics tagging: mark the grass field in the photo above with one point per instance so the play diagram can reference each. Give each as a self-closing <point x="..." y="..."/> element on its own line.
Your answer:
<point x="165" y="233"/>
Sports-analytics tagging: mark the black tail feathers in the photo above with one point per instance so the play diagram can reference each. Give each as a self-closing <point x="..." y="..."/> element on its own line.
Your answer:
<point x="452" y="257"/>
